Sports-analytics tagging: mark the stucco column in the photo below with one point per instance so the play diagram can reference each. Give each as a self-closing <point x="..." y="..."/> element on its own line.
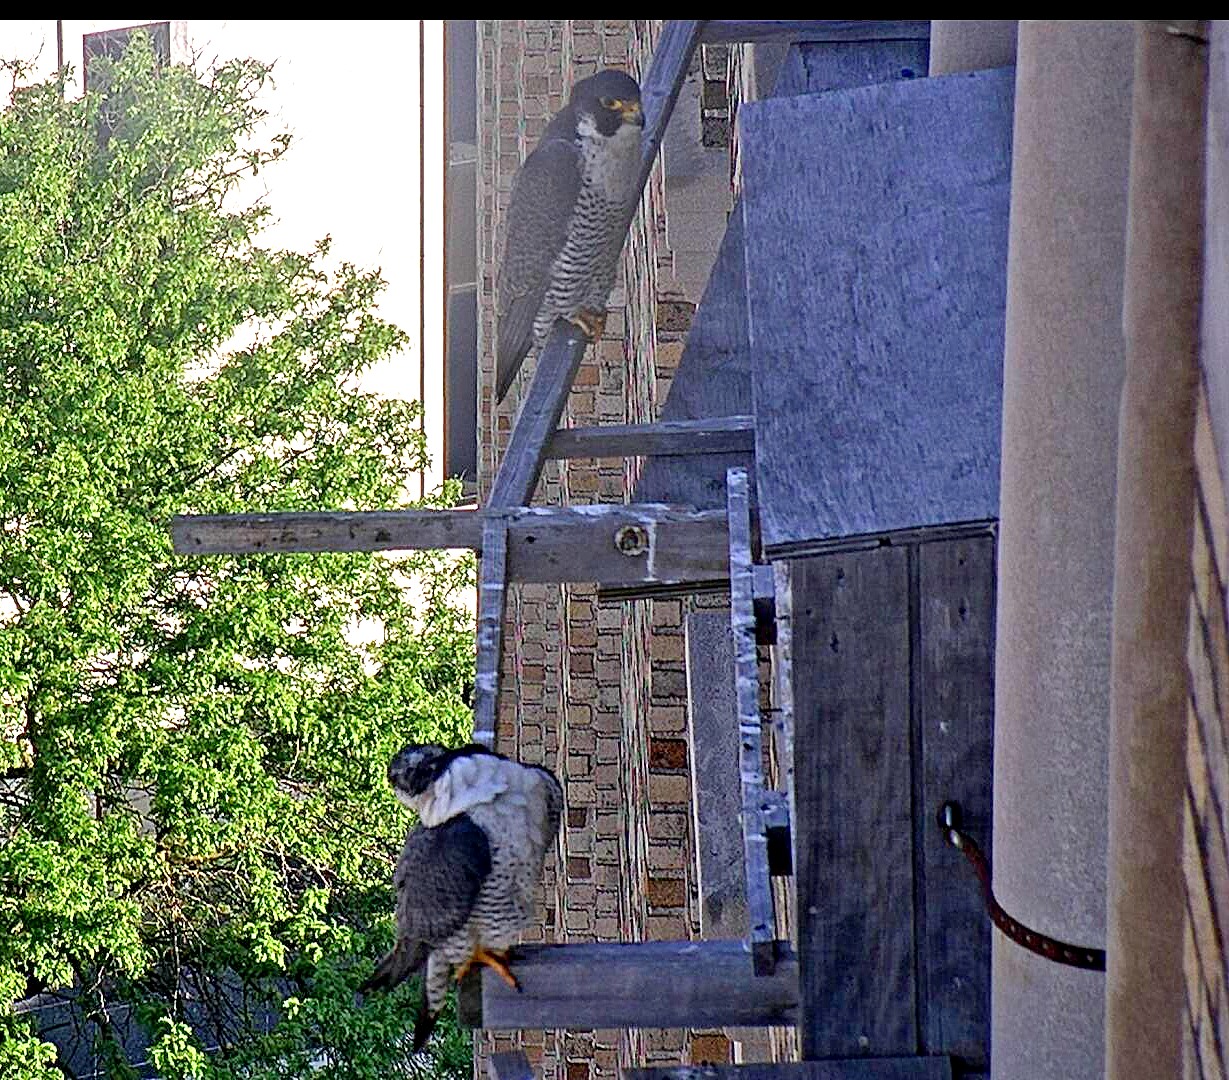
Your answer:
<point x="1062" y="375"/>
<point x="1152" y="579"/>
<point x="971" y="44"/>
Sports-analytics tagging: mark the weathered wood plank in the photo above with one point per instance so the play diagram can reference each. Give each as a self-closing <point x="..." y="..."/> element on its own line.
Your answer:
<point x="719" y="31"/>
<point x="492" y="576"/>
<point x="545" y="544"/>
<point x="556" y="369"/>
<point x="513" y="1065"/>
<point x="619" y="545"/>
<point x="719" y="435"/>
<point x="761" y="918"/>
<point x="895" y="1068"/>
<point x="647" y="984"/>
<point x="712" y="735"/>
<point x="895" y="422"/>
<point x="954" y="732"/>
<point x="852" y="784"/>
<point x="368" y="530"/>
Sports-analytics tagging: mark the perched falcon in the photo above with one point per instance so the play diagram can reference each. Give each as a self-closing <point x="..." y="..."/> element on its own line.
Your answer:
<point x="467" y="872"/>
<point x="565" y="219"/>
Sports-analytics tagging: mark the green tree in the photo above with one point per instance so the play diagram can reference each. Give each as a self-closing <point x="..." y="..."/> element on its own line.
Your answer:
<point x="193" y="811"/>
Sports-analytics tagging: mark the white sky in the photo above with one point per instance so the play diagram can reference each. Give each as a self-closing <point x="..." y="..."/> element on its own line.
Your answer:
<point x="349" y="93"/>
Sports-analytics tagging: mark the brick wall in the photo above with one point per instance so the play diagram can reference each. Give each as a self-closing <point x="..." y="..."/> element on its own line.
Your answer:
<point x="596" y="692"/>
<point x="1206" y="852"/>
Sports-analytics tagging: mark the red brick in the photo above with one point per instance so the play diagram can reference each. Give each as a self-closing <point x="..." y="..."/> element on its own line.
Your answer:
<point x="667" y="753"/>
<point x="709" y="1050"/>
<point x="666" y="892"/>
<point x="579" y="867"/>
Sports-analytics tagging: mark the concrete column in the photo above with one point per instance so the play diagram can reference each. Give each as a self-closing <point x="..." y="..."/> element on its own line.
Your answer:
<point x="1062" y="375"/>
<point x="971" y="44"/>
<point x="1152" y="578"/>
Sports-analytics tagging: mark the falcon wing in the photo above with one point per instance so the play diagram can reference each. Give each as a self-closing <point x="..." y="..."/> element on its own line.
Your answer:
<point x="554" y="804"/>
<point x="544" y="194"/>
<point x="438" y="879"/>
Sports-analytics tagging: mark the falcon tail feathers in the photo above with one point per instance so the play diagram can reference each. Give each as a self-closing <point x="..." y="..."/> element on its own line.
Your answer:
<point x="396" y="967"/>
<point x="423" y="1026"/>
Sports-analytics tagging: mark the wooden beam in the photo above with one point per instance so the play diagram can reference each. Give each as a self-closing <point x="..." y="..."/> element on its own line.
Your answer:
<point x="731" y="31"/>
<point x="552" y="380"/>
<point x="491" y="578"/>
<point x="615" y="545"/>
<point x="718" y="435"/>
<point x="647" y="984"/>
<point x="895" y="1068"/>
<point x="369" y="530"/>
<point x="513" y="1065"/>
<point x="761" y="919"/>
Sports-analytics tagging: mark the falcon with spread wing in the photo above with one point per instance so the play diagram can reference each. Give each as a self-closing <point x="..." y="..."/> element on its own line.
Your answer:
<point x="566" y="219"/>
<point x="466" y="877"/>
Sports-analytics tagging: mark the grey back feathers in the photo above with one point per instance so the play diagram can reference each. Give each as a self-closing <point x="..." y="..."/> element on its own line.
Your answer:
<point x="563" y="221"/>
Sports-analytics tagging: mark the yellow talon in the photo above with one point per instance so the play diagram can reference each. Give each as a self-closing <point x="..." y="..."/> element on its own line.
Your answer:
<point x="495" y="961"/>
<point x="591" y="322"/>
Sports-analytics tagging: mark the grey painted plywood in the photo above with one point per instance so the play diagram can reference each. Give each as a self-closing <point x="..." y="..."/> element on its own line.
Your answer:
<point x="714" y="374"/>
<point x="812" y="68"/>
<point x="876" y="292"/>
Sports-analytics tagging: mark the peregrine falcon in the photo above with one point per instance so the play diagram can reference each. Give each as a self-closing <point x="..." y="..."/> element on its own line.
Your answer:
<point x="467" y="872"/>
<point x="565" y="219"/>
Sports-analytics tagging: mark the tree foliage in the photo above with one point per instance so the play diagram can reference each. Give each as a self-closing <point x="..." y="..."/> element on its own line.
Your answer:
<point x="196" y="833"/>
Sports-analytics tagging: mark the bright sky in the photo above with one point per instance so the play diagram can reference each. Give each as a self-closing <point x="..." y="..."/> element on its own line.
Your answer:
<point x="349" y="93"/>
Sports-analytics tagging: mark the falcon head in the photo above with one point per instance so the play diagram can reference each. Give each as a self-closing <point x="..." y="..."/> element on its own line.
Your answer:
<point x="607" y="101"/>
<point x="414" y="769"/>
<point x="413" y="774"/>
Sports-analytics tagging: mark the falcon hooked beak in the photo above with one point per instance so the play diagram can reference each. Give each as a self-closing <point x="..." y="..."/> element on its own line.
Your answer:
<point x="632" y="113"/>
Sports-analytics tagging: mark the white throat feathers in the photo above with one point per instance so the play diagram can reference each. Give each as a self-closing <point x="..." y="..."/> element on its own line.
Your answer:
<point x="612" y="163"/>
<point x="467" y="782"/>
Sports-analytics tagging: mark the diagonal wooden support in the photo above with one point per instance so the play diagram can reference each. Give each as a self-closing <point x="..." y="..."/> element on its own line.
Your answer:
<point x="747" y="697"/>
<point x="632" y="985"/>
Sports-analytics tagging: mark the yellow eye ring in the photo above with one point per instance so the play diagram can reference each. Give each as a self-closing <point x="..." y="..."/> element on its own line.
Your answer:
<point x="611" y="103"/>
